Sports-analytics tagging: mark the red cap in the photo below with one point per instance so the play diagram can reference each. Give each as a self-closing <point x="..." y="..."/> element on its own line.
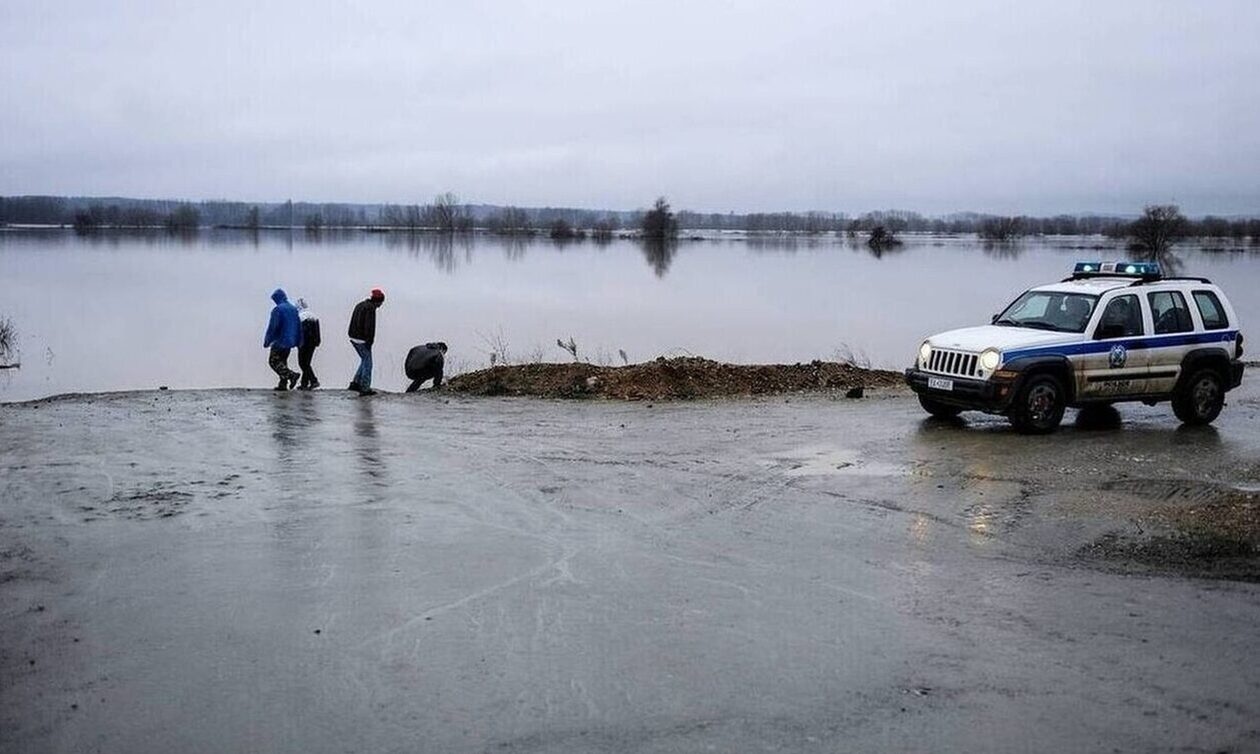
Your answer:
<point x="377" y="293"/>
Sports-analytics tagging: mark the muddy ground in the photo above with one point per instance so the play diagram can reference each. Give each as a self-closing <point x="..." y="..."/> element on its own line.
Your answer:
<point x="249" y="571"/>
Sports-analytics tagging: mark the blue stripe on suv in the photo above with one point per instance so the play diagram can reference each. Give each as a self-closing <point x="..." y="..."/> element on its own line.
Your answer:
<point x="1137" y="343"/>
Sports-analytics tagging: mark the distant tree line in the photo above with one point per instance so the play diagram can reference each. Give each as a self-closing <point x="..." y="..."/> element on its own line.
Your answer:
<point x="446" y="213"/>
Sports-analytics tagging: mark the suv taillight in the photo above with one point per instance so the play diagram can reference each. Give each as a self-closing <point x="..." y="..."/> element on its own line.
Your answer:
<point x="1238" y="345"/>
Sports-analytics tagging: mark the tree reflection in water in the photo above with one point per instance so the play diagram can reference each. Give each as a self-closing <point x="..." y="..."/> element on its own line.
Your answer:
<point x="660" y="253"/>
<point x="1003" y="249"/>
<point x="444" y="249"/>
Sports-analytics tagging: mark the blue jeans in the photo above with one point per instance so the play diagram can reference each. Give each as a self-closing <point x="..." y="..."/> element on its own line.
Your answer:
<point x="363" y="377"/>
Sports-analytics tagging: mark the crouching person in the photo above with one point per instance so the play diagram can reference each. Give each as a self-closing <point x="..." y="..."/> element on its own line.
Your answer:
<point x="424" y="363"/>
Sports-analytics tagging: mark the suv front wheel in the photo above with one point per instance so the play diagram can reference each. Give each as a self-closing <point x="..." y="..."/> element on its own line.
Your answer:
<point x="1199" y="400"/>
<point x="1039" y="405"/>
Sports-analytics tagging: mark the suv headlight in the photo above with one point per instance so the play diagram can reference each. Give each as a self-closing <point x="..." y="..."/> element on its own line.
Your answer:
<point x="925" y="353"/>
<point x="989" y="359"/>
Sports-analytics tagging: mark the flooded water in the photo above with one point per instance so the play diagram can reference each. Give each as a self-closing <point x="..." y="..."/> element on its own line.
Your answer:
<point x="117" y="312"/>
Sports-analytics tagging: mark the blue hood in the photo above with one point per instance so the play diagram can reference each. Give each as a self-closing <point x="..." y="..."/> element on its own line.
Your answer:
<point x="284" y="329"/>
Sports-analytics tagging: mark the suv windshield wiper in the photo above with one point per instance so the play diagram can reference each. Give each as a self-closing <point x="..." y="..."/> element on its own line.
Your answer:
<point x="1037" y="324"/>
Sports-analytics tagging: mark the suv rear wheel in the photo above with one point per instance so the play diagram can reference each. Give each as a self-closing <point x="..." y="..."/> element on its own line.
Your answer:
<point x="938" y="409"/>
<point x="1199" y="400"/>
<point x="1039" y="405"/>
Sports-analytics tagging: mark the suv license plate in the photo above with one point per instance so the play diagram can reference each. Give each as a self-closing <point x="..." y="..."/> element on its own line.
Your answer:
<point x="936" y="383"/>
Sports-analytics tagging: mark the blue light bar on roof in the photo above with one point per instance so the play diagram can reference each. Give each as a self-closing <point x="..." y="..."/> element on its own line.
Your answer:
<point x="1119" y="269"/>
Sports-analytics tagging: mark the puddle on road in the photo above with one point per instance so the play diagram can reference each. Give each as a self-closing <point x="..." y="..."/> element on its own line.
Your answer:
<point x="828" y="461"/>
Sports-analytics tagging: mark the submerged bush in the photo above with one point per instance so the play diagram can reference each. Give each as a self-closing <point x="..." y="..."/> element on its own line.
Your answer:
<point x="560" y="229"/>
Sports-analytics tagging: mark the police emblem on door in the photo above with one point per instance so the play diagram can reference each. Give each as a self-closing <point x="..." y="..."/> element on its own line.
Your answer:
<point x="1119" y="355"/>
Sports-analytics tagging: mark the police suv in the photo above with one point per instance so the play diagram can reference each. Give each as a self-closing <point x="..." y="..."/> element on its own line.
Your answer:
<point x="1113" y="331"/>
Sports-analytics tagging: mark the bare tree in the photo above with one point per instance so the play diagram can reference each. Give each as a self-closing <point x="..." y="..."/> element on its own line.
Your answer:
<point x="8" y="343"/>
<point x="496" y="347"/>
<point x="413" y="217"/>
<point x="391" y="216"/>
<point x="446" y="214"/>
<point x="517" y="220"/>
<point x="1159" y="227"/>
<point x="1001" y="228"/>
<point x="659" y="222"/>
<point x="603" y="229"/>
<point x="571" y="347"/>
<point x="510" y="221"/>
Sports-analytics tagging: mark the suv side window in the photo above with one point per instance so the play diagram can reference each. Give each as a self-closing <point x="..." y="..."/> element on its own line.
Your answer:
<point x="1170" y="313"/>
<point x="1121" y="319"/>
<point x="1210" y="308"/>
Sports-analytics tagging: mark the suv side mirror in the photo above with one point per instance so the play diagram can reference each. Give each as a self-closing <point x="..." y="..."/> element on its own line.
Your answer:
<point x="993" y="320"/>
<point x="1107" y="332"/>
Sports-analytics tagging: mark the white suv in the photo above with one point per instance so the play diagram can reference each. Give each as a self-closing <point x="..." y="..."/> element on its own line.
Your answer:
<point x="1113" y="331"/>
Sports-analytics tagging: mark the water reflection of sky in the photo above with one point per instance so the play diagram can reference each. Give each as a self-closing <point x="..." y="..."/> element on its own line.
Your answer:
<point x="137" y="311"/>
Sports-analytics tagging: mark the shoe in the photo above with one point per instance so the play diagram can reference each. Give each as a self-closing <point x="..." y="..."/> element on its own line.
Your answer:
<point x="313" y="384"/>
<point x="367" y="391"/>
<point x="354" y="386"/>
<point x="281" y="386"/>
<point x="293" y="380"/>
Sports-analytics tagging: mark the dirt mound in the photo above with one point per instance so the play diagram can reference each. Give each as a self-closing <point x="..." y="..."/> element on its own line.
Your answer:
<point x="684" y="377"/>
<point x="1216" y="536"/>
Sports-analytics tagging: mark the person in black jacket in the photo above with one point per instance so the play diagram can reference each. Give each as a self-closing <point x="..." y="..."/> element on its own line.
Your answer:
<point x="310" y="341"/>
<point x="423" y="363"/>
<point x="362" y="333"/>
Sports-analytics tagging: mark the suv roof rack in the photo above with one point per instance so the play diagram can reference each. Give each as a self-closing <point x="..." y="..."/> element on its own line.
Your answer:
<point x="1172" y="279"/>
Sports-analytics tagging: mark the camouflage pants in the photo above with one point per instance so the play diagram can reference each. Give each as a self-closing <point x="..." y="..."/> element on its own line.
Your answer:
<point x="279" y="363"/>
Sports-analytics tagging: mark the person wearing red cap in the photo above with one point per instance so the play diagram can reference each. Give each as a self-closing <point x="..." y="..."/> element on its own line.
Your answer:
<point x="362" y="333"/>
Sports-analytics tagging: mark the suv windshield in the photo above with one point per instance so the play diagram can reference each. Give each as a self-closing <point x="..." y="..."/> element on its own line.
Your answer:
<point x="1049" y="310"/>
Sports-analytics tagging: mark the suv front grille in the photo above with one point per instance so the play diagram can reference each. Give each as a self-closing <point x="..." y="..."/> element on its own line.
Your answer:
<point x="956" y="363"/>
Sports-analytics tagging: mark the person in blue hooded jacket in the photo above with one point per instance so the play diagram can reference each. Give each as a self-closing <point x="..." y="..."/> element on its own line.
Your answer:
<point x="284" y="333"/>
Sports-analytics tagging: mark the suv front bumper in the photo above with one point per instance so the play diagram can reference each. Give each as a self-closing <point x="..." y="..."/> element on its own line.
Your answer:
<point x="991" y="396"/>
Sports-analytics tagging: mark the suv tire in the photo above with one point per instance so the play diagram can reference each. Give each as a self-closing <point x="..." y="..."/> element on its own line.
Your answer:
<point x="1039" y="405"/>
<point x="938" y="409"/>
<point x="1199" y="400"/>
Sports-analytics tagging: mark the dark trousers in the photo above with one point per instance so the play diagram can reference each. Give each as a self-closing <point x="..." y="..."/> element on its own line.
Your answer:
<point x="418" y="378"/>
<point x="279" y="363"/>
<point x="304" y="361"/>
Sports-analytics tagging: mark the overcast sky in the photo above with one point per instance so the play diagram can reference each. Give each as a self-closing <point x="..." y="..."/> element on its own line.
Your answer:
<point x="987" y="105"/>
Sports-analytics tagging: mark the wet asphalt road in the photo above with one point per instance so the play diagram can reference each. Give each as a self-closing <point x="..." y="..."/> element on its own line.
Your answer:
<point x="243" y="571"/>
